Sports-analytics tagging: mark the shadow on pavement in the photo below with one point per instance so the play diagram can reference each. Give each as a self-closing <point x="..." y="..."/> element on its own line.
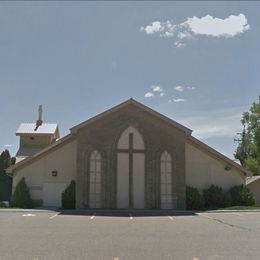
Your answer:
<point x="127" y="213"/>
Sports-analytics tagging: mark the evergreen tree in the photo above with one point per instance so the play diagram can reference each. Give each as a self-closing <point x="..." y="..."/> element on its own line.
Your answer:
<point x="5" y="181"/>
<point x="21" y="197"/>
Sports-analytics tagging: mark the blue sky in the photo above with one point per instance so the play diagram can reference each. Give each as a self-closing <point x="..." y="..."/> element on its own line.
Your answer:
<point x="195" y="62"/>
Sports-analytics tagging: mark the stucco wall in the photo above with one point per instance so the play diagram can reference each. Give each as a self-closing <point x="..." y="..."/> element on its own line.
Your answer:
<point x="158" y="136"/>
<point x="37" y="141"/>
<point x="255" y="189"/>
<point x="39" y="172"/>
<point x="203" y="169"/>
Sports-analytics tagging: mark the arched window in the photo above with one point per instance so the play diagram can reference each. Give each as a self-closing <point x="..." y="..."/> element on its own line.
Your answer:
<point x="131" y="169"/>
<point x="166" y="180"/>
<point x="95" y="180"/>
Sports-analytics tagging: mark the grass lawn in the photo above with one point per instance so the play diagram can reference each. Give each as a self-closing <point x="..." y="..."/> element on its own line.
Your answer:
<point x="243" y="207"/>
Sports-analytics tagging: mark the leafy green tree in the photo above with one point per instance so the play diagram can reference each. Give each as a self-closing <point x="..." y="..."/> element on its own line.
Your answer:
<point x="21" y="197"/>
<point x="248" y="150"/>
<point x="5" y="181"/>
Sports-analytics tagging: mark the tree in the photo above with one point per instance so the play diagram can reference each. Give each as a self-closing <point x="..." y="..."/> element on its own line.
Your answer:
<point x="248" y="150"/>
<point x="194" y="199"/>
<point x="21" y="197"/>
<point x="241" y="195"/>
<point x="5" y="181"/>
<point x="68" y="199"/>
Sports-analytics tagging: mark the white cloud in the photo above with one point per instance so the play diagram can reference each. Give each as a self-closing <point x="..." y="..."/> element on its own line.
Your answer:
<point x="148" y="95"/>
<point x="159" y="93"/>
<point x="153" y="28"/>
<point x="179" y="44"/>
<point x="179" y="88"/>
<point x="182" y="88"/>
<point x="8" y="145"/>
<point x="156" y="88"/>
<point x="217" y="27"/>
<point x="195" y="26"/>
<point x="176" y="100"/>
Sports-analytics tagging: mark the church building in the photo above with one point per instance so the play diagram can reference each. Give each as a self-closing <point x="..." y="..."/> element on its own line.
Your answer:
<point x="128" y="157"/>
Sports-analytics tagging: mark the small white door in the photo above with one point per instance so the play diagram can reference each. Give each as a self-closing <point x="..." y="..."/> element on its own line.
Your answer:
<point x="52" y="194"/>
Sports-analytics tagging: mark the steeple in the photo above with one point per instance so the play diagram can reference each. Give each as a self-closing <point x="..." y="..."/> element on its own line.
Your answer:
<point x="39" y="121"/>
<point x="35" y="136"/>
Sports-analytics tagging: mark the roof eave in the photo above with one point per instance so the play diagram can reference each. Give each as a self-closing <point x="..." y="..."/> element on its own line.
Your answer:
<point x="35" y="133"/>
<point x="11" y="169"/>
<point x="221" y="156"/>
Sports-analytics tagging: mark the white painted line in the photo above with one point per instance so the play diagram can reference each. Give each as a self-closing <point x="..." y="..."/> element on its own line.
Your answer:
<point x="131" y="217"/>
<point x="204" y="215"/>
<point x="29" y="215"/>
<point x="54" y="216"/>
<point x="195" y="258"/>
<point x="92" y="217"/>
<point x="116" y="258"/>
<point x="170" y="217"/>
<point x="238" y="214"/>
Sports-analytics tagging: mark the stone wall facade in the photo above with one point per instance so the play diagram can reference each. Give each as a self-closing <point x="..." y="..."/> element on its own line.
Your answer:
<point x="103" y="135"/>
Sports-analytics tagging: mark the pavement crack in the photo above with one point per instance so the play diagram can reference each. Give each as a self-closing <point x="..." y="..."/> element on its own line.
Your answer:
<point x="225" y="223"/>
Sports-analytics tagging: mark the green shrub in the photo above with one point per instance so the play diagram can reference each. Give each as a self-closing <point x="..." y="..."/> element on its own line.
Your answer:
<point x="227" y="200"/>
<point x="68" y="196"/>
<point x="215" y="197"/>
<point x="241" y="196"/>
<point x="21" y="197"/>
<point x="194" y="199"/>
<point x="2" y="204"/>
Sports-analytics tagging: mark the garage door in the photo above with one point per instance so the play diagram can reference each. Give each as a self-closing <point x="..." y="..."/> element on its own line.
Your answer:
<point x="52" y="194"/>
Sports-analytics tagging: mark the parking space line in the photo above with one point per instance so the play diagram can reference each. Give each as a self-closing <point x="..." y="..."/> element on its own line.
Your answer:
<point x="28" y="215"/>
<point x="195" y="258"/>
<point x="93" y="216"/>
<point x="238" y="214"/>
<point x="131" y="217"/>
<point x="116" y="258"/>
<point x="205" y="216"/>
<point x="170" y="217"/>
<point x="54" y="216"/>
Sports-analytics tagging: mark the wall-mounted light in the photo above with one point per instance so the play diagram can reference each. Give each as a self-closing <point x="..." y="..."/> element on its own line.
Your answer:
<point x="227" y="168"/>
<point x="54" y="173"/>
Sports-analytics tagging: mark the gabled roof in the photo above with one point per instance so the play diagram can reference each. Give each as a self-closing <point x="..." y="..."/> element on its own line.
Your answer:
<point x="219" y="155"/>
<point x="252" y="179"/>
<point x="27" y="151"/>
<point x="42" y="152"/>
<point x="74" y="129"/>
<point x="137" y="104"/>
<point x="31" y="129"/>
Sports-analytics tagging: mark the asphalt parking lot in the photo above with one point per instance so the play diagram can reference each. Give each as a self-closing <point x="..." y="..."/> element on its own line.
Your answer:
<point x="119" y="235"/>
